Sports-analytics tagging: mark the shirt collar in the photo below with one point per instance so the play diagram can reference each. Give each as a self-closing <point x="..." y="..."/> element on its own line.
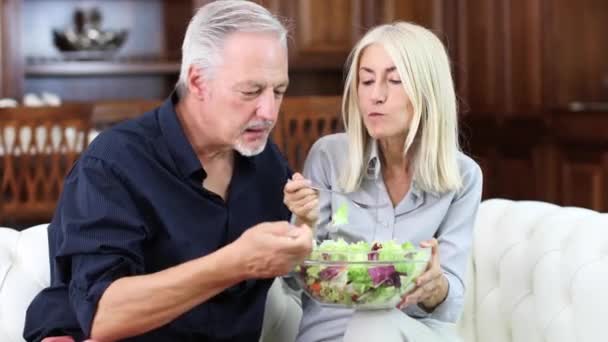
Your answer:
<point x="180" y="148"/>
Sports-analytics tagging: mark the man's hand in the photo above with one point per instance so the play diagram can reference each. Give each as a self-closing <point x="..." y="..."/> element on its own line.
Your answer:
<point x="273" y="249"/>
<point x="150" y="301"/>
<point x="432" y="286"/>
<point x="301" y="200"/>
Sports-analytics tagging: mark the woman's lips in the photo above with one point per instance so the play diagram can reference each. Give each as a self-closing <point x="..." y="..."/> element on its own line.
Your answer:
<point x="375" y="114"/>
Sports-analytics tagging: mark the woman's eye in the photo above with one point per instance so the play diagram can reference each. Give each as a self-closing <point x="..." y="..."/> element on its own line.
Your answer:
<point x="367" y="82"/>
<point x="395" y="81"/>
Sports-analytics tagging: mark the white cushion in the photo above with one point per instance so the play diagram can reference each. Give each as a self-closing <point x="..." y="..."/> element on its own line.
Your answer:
<point x="538" y="272"/>
<point x="24" y="271"/>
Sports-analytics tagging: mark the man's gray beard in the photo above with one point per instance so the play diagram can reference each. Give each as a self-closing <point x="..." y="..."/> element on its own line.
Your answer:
<point x="247" y="151"/>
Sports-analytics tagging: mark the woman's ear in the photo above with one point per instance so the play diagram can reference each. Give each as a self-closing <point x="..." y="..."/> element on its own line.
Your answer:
<point x="196" y="83"/>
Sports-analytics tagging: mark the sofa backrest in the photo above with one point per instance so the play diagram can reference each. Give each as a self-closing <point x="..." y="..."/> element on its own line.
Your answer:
<point x="539" y="273"/>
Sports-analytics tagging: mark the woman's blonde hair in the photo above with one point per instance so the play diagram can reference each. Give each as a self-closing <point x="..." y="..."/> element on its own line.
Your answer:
<point x="432" y="141"/>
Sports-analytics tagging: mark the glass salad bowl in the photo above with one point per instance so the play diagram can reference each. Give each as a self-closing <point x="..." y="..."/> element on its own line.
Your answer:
<point x="361" y="275"/>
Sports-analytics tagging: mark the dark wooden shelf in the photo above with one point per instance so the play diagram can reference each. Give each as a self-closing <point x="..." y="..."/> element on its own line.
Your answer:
<point x="101" y="68"/>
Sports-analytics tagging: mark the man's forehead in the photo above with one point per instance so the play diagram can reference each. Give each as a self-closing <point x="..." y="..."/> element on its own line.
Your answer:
<point x="262" y="83"/>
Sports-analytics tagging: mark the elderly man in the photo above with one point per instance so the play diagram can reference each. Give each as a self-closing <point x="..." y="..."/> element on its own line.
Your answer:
<point x="172" y="226"/>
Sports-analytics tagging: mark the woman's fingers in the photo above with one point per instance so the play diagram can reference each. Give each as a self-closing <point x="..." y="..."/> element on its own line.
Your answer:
<point x="296" y="185"/>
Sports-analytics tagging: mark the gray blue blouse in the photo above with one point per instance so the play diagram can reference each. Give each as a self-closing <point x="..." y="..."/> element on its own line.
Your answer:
<point x="419" y="216"/>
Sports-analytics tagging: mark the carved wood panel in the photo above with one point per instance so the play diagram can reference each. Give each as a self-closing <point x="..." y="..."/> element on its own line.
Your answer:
<point x="38" y="146"/>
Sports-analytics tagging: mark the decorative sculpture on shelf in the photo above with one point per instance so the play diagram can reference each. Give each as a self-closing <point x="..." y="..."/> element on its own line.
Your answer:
<point x="86" y="39"/>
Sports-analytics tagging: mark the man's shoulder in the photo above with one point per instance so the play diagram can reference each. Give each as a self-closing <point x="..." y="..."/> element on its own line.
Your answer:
<point x="123" y="141"/>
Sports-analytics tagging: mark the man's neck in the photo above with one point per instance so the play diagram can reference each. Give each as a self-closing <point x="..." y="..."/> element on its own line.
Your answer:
<point x="206" y="151"/>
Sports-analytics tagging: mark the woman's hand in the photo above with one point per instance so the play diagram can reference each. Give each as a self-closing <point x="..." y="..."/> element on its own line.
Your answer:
<point x="301" y="200"/>
<point x="431" y="286"/>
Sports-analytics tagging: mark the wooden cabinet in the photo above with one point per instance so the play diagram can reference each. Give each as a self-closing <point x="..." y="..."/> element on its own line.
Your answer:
<point x="532" y="78"/>
<point x="581" y="140"/>
<point x="324" y="31"/>
<point x="11" y="60"/>
<point x="497" y="51"/>
<point x="561" y="158"/>
<point x="322" y="34"/>
<point x="146" y="66"/>
<point x="519" y="58"/>
<point x="514" y="63"/>
<point x="577" y="51"/>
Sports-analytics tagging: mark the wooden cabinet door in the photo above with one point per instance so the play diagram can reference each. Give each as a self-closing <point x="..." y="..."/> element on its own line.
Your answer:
<point x="11" y="59"/>
<point x="577" y="58"/>
<point x="497" y="52"/>
<point x="324" y="32"/>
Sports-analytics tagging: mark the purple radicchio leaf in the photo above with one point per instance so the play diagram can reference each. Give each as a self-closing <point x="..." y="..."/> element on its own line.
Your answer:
<point x="381" y="274"/>
<point x="330" y="272"/>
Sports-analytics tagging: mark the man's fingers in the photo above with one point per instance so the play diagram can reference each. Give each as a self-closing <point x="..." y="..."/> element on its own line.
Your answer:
<point x="301" y="234"/>
<point x="275" y="228"/>
<point x="300" y="241"/>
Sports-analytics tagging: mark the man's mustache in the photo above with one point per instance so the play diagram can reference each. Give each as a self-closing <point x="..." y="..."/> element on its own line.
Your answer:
<point x="259" y="125"/>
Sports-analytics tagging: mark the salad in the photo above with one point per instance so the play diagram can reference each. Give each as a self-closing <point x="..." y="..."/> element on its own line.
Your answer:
<point x="361" y="274"/>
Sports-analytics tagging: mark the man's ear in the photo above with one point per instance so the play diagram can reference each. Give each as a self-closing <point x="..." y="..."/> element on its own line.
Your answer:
<point x="196" y="82"/>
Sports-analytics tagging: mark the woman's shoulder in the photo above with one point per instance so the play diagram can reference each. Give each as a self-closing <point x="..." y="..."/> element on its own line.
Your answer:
<point x="332" y="141"/>
<point x="327" y="152"/>
<point x="469" y="170"/>
<point x="333" y="145"/>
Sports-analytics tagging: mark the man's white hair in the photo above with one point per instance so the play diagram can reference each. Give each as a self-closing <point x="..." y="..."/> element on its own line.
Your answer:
<point x="210" y="27"/>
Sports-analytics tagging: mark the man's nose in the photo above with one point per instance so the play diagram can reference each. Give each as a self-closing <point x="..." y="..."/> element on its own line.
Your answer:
<point x="268" y="106"/>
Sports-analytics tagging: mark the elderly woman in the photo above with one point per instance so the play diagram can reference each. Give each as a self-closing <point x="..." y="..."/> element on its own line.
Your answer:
<point x="405" y="179"/>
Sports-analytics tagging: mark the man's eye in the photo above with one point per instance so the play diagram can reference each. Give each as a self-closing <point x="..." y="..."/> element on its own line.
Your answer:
<point x="251" y="93"/>
<point x="279" y="93"/>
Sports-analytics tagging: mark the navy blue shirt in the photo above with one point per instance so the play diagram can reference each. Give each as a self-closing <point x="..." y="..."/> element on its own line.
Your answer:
<point x="134" y="204"/>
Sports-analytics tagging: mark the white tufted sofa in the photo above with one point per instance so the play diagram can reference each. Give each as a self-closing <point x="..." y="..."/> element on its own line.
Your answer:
<point x="24" y="271"/>
<point x="538" y="272"/>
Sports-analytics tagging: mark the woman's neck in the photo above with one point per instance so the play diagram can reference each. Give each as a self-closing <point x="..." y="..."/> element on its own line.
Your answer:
<point x="392" y="156"/>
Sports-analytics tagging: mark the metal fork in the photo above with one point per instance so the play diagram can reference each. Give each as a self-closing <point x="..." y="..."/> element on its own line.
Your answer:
<point x="360" y="205"/>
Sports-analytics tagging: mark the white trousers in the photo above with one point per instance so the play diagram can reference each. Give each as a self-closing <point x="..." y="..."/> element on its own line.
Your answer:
<point x="395" y="326"/>
<point x="282" y="315"/>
